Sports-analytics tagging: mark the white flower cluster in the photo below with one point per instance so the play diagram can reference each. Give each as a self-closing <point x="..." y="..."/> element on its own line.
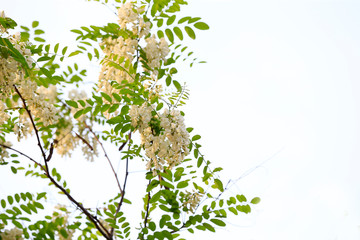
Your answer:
<point x="12" y="234"/>
<point x="156" y="51"/>
<point x="3" y="115"/>
<point x="12" y="74"/>
<point x="192" y="200"/>
<point x="3" y="151"/>
<point x="129" y="18"/>
<point x="164" y="137"/>
<point x="114" y="49"/>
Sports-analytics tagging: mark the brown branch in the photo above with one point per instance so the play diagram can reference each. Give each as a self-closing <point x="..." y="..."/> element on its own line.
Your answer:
<point x="106" y="156"/>
<point x="84" y="141"/>
<point x="34" y="126"/>
<point x="94" y="220"/>
<point x="147" y="207"/>
<point x="23" y="154"/>
<point x="124" y="187"/>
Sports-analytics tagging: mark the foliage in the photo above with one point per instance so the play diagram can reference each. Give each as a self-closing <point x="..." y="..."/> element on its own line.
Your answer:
<point x="135" y="106"/>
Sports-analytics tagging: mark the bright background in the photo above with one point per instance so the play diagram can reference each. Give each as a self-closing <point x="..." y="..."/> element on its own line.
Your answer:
<point x="277" y="104"/>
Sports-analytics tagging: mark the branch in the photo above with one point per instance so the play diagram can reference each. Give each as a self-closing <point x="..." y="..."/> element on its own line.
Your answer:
<point x="96" y="222"/>
<point x="106" y="156"/>
<point x="147" y="207"/>
<point x="33" y="124"/>
<point x="23" y="154"/>
<point x="124" y="187"/>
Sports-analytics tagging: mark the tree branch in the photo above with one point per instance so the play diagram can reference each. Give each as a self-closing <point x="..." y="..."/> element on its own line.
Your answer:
<point x="124" y="187"/>
<point x="107" y="157"/>
<point x="96" y="222"/>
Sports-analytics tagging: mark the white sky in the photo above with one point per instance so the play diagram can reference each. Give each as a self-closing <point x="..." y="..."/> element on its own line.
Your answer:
<point x="282" y="77"/>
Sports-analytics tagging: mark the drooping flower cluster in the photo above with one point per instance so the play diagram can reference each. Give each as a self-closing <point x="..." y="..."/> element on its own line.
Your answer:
<point x="3" y="151"/>
<point x="192" y="199"/>
<point x="164" y="137"/>
<point x="12" y="234"/>
<point x="121" y="47"/>
<point x="129" y="17"/>
<point x="12" y="75"/>
<point x="156" y="51"/>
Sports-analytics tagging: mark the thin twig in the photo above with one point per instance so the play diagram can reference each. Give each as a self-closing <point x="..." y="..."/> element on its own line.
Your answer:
<point x="23" y="154"/>
<point x="107" y="157"/>
<point x="84" y="140"/>
<point x="124" y="187"/>
<point x="33" y="124"/>
<point x="147" y="207"/>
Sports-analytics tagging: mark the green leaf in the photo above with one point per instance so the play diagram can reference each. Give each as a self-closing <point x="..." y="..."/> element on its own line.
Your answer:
<point x="8" y="23"/>
<point x="78" y="113"/>
<point x="200" y="161"/>
<point x="171" y="20"/>
<point x="169" y="35"/>
<point x="126" y="128"/>
<point x="201" y="26"/>
<point x="38" y="205"/>
<point x="124" y="110"/>
<point x="184" y="19"/>
<point x="107" y="97"/>
<point x="17" y="224"/>
<point x="39" y="32"/>
<point x="182" y="184"/>
<point x="255" y="200"/>
<point x="160" y="22"/>
<point x="10" y="199"/>
<point x="159" y="106"/>
<point x="177" y="85"/>
<point x="168" y="80"/>
<point x="178" y="33"/>
<point x="209" y="227"/>
<point x="192" y="20"/>
<point x="74" y="53"/>
<point x="76" y="31"/>
<point x="190" y="32"/>
<point x="160" y="34"/>
<point x="72" y="103"/>
<point x="39" y="39"/>
<point x="35" y="24"/>
<point x="195" y="138"/>
<point x="13" y="169"/>
<point x="233" y="210"/>
<point x="152" y="226"/>
<point x="17" y="197"/>
<point x="25" y="208"/>
<point x="64" y="50"/>
<point x="41" y="195"/>
<point x="218" y="222"/>
<point x="3" y="203"/>
<point x="219" y="184"/>
<point x="241" y="198"/>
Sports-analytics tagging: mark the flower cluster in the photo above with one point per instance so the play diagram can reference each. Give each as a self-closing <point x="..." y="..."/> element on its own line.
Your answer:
<point x="130" y="19"/>
<point x="192" y="200"/>
<point x="156" y="51"/>
<point x="12" y="75"/>
<point x="164" y="137"/>
<point x="12" y="234"/>
<point x="3" y="152"/>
